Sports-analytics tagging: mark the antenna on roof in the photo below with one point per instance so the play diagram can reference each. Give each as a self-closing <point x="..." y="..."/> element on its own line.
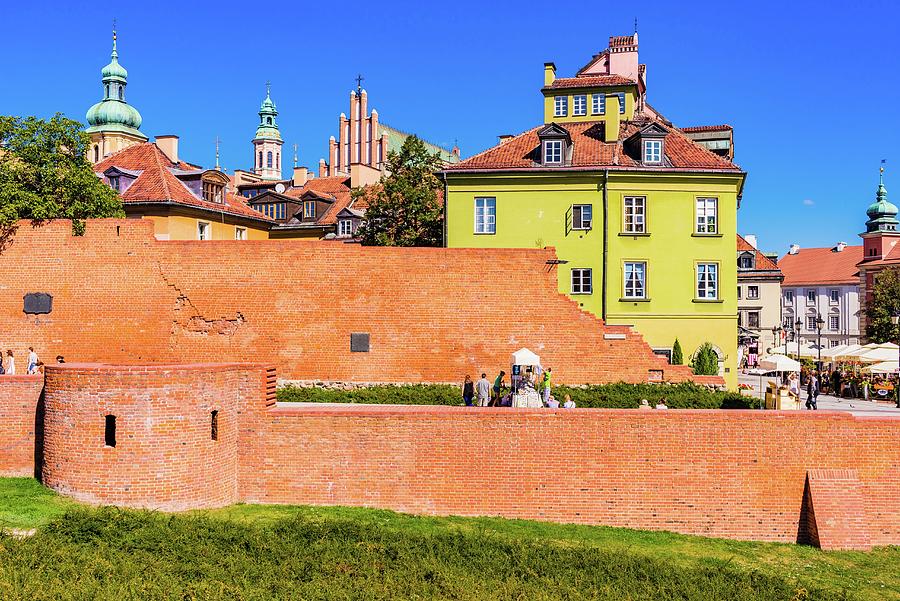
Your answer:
<point x="295" y="156"/>
<point x="217" y="154"/>
<point x="635" y="25"/>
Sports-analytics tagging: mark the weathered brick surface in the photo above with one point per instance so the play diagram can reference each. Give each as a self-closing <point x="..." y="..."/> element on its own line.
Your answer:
<point x="837" y="516"/>
<point x="732" y="474"/>
<point x="434" y="315"/>
<point x="19" y="402"/>
<point x="164" y="457"/>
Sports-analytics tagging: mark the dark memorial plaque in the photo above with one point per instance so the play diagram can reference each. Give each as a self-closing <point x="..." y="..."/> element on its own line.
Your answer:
<point x="37" y="303"/>
<point x="359" y="343"/>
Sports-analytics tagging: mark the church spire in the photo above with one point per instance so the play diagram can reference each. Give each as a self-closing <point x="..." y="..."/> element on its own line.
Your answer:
<point x="267" y="141"/>
<point x="113" y="114"/>
<point x="882" y="213"/>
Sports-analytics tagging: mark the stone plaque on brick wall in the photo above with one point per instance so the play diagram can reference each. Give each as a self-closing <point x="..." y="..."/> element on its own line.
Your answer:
<point x="38" y="303"/>
<point x="359" y="343"/>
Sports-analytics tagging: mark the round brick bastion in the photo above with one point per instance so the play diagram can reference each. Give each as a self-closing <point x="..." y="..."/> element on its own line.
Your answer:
<point x="162" y="437"/>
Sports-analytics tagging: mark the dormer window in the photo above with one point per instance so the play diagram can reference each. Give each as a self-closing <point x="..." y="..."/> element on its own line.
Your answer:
<point x="745" y="262"/>
<point x="114" y="182"/>
<point x="213" y="192"/>
<point x="653" y="152"/>
<point x="561" y="106"/>
<point x="553" y="152"/>
<point x="579" y="105"/>
<point x="309" y="209"/>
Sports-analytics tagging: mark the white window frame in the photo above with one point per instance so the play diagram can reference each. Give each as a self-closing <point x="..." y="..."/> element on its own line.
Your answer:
<point x="637" y="224"/>
<point x="749" y="325"/>
<point x="653" y="152"/>
<point x="834" y="343"/>
<point x="631" y="283"/>
<point x="553" y="152"/>
<point x="811" y="323"/>
<point x="240" y="233"/>
<point x="750" y="295"/>
<point x="789" y="296"/>
<point x="598" y="104"/>
<point x="811" y="301"/>
<point x="707" y="281"/>
<point x="706" y="210"/>
<point x="561" y="106"/>
<point x="834" y="323"/>
<point x="581" y="223"/>
<point x="204" y="228"/>
<point x="307" y="213"/>
<point x="486" y="220"/>
<point x="749" y="260"/>
<point x="834" y="296"/>
<point x="621" y="96"/>
<point x="579" y="105"/>
<point x="585" y="285"/>
<point x="345" y="227"/>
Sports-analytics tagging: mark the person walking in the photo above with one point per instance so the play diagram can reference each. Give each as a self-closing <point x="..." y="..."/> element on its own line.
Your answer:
<point x="812" y="391"/>
<point x="498" y="386"/>
<point x="546" y="384"/>
<point x="468" y="391"/>
<point x="32" y="362"/>
<point x="483" y="389"/>
<point x="10" y="363"/>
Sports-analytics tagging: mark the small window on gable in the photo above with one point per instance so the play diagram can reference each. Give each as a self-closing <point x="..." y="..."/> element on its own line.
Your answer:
<point x="553" y="152"/>
<point x="114" y="182"/>
<point x="745" y="262"/>
<point x="309" y="209"/>
<point x="653" y="152"/>
<point x="109" y="431"/>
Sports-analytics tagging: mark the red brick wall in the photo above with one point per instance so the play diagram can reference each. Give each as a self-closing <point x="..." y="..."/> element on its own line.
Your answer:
<point x="19" y="401"/>
<point x="434" y="315"/>
<point x="732" y="474"/>
<point x="164" y="457"/>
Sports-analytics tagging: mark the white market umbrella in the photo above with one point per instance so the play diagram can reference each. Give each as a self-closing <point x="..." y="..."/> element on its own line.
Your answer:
<point x="834" y="351"/>
<point x="884" y="367"/>
<point x="881" y="352"/>
<point x="779" y="363"/>
<point x="808" y="350"/>
<point x="847" y="353"/>
<point x="523" y="356"/>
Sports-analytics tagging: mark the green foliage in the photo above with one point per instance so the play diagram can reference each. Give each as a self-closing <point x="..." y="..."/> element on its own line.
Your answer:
<point x="405" y="207"/>
<point x="677" y="355"/>
<point x="706" y="361"/>
<point x="886" y="302"/>
<point x="118" y="554"/>
<point x="607" y="396"/>
<point x="44" y="174"/>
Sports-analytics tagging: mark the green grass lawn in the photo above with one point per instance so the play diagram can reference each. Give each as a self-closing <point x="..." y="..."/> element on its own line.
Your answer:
<point x="281" y="552"/>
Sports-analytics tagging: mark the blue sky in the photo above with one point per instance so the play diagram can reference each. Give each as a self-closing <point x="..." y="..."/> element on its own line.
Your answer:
<point x="811" y="90"/>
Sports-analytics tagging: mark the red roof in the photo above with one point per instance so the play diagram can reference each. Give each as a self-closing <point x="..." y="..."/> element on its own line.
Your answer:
<point x="157" y="184"/>
<point x="591" y="81"/>
<point x="336" y="188"/>
<point x="821" y="266"/>
<point x="763" y="263"/>
<point x="699" y="128"/>
<point x="590" y="150"/>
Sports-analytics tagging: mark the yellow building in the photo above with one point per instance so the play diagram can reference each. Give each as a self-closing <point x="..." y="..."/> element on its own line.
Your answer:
<point x="643" y="218"/>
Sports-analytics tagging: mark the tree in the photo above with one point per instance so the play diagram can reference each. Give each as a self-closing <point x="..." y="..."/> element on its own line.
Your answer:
<point x="885" y="303"/>
<point x="405" y="207"/>
<point x="706" y="361"/>
<point x="45" y="174"/>
<point x="677" y="357"/>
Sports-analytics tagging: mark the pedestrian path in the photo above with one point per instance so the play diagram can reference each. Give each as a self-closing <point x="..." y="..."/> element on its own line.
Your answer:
<point x="830" y="403"/>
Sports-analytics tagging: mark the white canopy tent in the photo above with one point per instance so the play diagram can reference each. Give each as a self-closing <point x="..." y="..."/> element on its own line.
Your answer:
<point x="846" y="354"/>
<point x="808" y="350"/>
<point x="877" y="353"/>
<point x="779" y="363"/>
<point x="833" y="351"/>
<point x="884" y="367"/>
<point x="523" y="356"/>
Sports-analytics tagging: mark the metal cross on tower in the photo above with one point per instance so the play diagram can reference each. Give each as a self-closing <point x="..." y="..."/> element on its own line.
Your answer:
<point x="359" y="80"/>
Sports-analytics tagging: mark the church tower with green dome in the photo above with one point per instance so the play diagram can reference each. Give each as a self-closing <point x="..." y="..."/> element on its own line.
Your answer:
<point x="267" y="142"/>
<point x="113" y="124"/>
<point x="881" y="233"/>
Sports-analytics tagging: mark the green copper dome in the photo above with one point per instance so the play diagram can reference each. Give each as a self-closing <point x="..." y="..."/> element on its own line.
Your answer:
<point x="113" y="113"/>
<point x="268" y="127"/>
<point x="882" y="213"/>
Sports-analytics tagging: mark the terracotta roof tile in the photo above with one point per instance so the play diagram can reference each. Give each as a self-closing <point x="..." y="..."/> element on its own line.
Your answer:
<point x="821" y="266"/>
<point x="336" y="187"/>
<point x="763" y="263"/>
<point x="590" y="150"/>
<point x="591" y="81"/>
<point x="157" y="183"/>
<point x="699" y="128"/>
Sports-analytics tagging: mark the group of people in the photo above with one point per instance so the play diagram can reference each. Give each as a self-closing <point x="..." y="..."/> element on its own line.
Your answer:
<point x="837" y="383"/>
<point x="8" y="363"/>
<point x="483" y="393"/>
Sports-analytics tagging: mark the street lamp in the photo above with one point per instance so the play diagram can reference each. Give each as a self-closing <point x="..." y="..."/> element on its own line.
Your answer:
<point x="820" y="323"/>
<point x="798" y="324"/>
<point x="895" y="319"/>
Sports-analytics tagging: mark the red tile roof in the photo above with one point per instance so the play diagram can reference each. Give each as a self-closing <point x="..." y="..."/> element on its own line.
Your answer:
<point x="591" y="81"/>
<point x="156" y="183"/>
<point x="699" y="128"/>
<point x="821" y="266"/>
<point x="591" y="151"/>
<point x="763" y="263"/>
<point x="336" y="187"/>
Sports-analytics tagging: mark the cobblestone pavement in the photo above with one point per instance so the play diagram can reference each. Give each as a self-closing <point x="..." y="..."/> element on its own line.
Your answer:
<point x="830" y="403"/>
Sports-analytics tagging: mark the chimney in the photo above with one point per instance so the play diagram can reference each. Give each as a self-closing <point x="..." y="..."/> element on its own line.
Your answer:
<point x="611" y="122"/>
<point x="300" y="177"/>
<point x="504" y="138"/>
<point x="840" y="246"/>
<point x="322" y="167"/>
<point x="549" y="74"/>
<point x="795" y="248"/>
<point x="169" y="146"/>
<point x="751" y="240"/>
